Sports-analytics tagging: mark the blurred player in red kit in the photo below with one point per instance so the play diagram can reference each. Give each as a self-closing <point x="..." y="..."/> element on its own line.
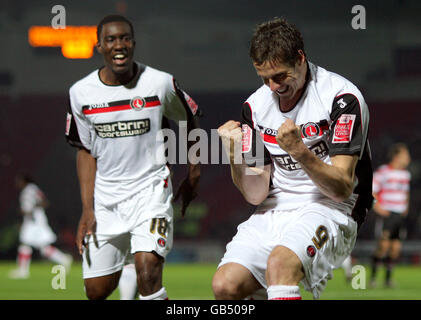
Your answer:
<point x="115" y="118"/>
<point x="311" y="181"/>
<point x="35" y="231"/>
<point x="391" y="187"/>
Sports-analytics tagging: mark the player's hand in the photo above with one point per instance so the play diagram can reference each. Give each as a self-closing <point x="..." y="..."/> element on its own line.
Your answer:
<point x="231" y="137"/>
<point x="188" y="188"/>
<point x="87" y="227"/>
<point x="289" y="138"/>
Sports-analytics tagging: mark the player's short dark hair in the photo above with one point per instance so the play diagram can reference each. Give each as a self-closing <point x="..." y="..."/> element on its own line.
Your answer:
<point x="395" y="149"/>
<point x="276" y="40"/>
<point x="113" y="18"/>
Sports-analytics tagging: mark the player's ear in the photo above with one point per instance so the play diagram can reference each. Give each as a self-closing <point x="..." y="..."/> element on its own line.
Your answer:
<point x="98" y="47"/>
<point x="302" y="57"/>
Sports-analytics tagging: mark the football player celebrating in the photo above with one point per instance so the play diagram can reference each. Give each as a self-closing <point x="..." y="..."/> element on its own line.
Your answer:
<point x="115" y="119"/>
<point x="312" y="180"/>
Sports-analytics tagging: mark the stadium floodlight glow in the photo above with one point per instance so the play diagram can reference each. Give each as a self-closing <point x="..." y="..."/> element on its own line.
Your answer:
<point x="76" y="42"/>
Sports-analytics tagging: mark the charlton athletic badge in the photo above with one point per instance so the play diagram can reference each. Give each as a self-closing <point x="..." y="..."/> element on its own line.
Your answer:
<point x="310" y="130"/>
<point x="137" y="103"/>
<point x="311" y="251"/>
<point x="162" y="242"/>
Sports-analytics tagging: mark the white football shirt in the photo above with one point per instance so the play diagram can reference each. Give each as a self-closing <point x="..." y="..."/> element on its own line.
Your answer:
<point x="120" y="126"/>
<point x="334" y="120"/>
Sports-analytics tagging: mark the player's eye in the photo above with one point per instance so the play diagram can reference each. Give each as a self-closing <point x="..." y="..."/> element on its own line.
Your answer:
<point x="279" y="77"/>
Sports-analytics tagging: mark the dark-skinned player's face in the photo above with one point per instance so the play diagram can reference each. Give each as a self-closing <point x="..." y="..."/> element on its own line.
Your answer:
<point x="117" y="45"/>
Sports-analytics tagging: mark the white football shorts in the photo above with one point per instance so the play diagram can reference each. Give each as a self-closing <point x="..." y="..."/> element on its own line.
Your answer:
<point x="142" y="223"/>
<point x="320" y="236"/>
<point x="35" y="231"/>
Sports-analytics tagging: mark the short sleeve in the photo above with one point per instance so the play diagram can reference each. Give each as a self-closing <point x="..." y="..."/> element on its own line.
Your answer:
<point x="77" y="127"/>
<point x="178" y="105"/>
<point x="349" y="126"/>
<point x="253" y="149"/>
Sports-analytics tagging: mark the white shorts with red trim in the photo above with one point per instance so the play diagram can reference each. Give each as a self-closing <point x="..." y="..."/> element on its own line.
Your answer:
<point x="320" y="236"/>
<point x="127" y="227"/>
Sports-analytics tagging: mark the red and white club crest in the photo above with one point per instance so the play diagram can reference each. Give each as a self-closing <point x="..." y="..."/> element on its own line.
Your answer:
<point x="162" y="242"/>
<point x="311" y="251"/>
<point x="137" y="103"/>
<point x="310" y="130"/>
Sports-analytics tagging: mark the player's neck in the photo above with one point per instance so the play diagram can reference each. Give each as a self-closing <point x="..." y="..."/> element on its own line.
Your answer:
<point x="111" y="78"/>
<point x="288" y="106"/>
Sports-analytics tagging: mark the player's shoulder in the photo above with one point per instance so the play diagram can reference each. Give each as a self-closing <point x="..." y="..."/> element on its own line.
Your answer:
<point x="259" y="98"/>
<point x="384" y="168"/>
<point x="86" y="81"/>
<point x="156" y="74"/>
<point x="331" y="84"/>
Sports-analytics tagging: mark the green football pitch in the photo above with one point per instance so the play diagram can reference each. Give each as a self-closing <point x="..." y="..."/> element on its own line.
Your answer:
<point x="193" y="282"/>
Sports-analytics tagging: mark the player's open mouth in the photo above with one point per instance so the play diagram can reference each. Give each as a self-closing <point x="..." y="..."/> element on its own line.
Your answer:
<point x="120" y="59"/>
<point x="282" y="91"/>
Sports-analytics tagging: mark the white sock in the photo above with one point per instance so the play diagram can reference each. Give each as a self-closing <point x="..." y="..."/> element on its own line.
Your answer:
<point x="55" y="255"/>
<point x="24" y="258"/>
<point x="347" y="266"/>
<point x="284" y="293"/>
<point x="161" y="294"/>
<point x="128" y="282"/>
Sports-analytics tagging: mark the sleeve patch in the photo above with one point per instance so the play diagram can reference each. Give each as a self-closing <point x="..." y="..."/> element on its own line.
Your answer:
<point x="191" y="103"/>
<point x="68" y="123"/>
<point x="247" y="138"/>
<point x="342" y="132"/>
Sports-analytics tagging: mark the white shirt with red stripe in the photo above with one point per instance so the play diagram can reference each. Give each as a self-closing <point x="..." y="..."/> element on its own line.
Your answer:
<point x="334" y="119"/>
<point x="392" y="188"/>
<point x="120" y="126"/>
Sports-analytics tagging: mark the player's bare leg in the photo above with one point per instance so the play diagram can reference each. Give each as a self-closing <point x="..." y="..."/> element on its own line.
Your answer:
<point x="99" y="288"/>
<point x="284" y="273"/>
<point x="149" y="267"/>
<point x="232" y="281"/>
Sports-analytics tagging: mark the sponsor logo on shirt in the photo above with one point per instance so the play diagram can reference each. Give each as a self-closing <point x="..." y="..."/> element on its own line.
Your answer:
<point x="342" y="133"/>
<point x="286" y="162"/>
<point x="309" y="130"/>
<point x="137" y="103"/>
<point x="122" y="129"/>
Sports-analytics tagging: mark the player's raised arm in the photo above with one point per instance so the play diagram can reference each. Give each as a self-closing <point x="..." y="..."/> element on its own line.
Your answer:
<point x="335" y="181"/>
<point x="253" y="182"/>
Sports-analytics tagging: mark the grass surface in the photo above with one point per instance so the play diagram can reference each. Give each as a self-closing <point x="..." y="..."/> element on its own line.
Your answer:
<point x="193" y="282"/>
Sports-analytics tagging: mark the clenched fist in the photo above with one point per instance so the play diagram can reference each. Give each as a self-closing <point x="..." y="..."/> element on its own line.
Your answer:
<point x="231" y="136"/>
<point x="289" y="138"/>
